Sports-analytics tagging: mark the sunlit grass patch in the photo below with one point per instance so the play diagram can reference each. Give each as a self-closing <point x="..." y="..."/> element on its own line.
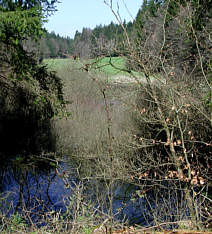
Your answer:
<point x="107" y="65"/>
<point x="112" y="69"/>
<point x="58" y="64"/>
<point x="110" y="65"/>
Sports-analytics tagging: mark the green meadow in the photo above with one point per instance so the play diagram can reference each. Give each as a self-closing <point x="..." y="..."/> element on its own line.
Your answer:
<point x="107" y="65"/>
<point x="113" y="69"/>
<point x="110" y="65"/>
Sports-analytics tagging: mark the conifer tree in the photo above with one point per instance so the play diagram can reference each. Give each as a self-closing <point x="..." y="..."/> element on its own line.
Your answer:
<point x="35" y="93"/>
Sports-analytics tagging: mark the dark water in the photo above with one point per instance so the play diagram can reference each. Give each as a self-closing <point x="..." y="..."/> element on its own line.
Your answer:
<point x="28" y="189"/>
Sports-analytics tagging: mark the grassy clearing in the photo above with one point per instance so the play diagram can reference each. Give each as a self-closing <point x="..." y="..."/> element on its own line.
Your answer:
<point x="101" y="65"/>
<point x="58" y="64"/>
<point x="104" y="65"/>
<point x="110" y="69"/>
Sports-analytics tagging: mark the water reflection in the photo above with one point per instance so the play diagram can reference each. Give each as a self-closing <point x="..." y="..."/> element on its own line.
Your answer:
<point x="28" y="189"/>
<point x="35" y="190"/>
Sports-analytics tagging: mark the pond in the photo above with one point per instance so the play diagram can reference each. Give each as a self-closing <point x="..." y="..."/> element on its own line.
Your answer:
<point x="27" y="188"/>
<point x="35" y="190"/>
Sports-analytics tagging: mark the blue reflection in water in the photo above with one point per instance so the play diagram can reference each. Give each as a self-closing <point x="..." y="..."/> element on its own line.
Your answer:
<point x="40" y="191"/>
<point x="34" y="190"/>
<point x="27" y="189"/>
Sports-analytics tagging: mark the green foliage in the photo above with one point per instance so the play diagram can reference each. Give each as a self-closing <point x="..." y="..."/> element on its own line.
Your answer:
<point x="201" y="11"/>
<point x="20" y="21"/>
<point x="35" y="94"/>
<point x="148" y="9"/>
<point x="17" y="25"/>
<point x="17" y="223"/>
<point x="47" y="6"/>
<point x="184" y="41"/>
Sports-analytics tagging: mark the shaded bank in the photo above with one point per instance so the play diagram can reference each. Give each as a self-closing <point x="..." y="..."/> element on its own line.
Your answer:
<point x="28" y="102"/>
<point x="24" y="125"/>
<point x="21" y="132"/>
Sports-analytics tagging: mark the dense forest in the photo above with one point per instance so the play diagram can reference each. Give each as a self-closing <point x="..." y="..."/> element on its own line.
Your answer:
<point x="53" y="45"/>
<point x="109" y="40"/>
<point x="102" y="40"/>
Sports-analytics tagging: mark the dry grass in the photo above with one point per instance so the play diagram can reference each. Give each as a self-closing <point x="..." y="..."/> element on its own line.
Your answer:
<point x="84" y="136"/>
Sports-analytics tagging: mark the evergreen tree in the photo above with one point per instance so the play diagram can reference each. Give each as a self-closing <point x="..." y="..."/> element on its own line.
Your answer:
<point x="36" y="94"/>
<point x="186" y="25"/>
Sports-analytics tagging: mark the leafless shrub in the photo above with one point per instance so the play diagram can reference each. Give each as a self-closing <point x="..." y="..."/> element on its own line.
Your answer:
<point x="173" y="139"/>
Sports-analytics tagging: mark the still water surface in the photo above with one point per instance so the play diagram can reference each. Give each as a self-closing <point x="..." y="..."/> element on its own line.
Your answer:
<point x="27" y="188"/>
